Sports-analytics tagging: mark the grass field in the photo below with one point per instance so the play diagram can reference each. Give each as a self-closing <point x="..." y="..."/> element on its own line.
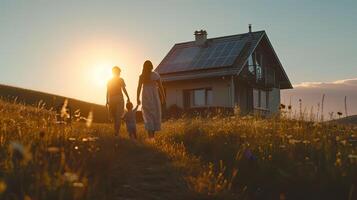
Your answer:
<point x="213" y="158"/>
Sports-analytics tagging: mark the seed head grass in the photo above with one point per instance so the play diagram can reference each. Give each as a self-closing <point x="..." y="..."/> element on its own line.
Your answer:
<point x="221" y="157"/>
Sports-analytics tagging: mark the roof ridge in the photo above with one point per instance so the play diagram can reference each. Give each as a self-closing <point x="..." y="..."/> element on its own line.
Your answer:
<point x="221" y="37"/>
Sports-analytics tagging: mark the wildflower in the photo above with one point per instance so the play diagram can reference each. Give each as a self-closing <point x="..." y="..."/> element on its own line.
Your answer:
<point x="76" y="147"/>
<point x="78" y="184"/>
<point x="70" y="177"/>
<point x="306" y="142"/>
<point x="84" y="139"/>
<point x="77" y="113"/>
<point x="282" y="106"/>
<point x="53" y="149"/>
<point x="338" y="162"/>
<point x="89" y="119"/>
<point x="64" y="113"/>
<point x="293" y="141"/>
<point x="72" y="139"/>
<point x="249" y="155"/>
<point x="337" y="138"/>
<point x="92" y="139"/>
<point x="22" y="152"/>
<point x="2" y="186"/>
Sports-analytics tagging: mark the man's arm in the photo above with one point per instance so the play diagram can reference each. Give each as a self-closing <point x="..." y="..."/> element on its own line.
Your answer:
<point x="126" y="94"/>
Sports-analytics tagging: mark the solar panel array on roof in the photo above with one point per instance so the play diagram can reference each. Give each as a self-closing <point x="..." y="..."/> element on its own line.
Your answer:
<point x="217" y="53"/>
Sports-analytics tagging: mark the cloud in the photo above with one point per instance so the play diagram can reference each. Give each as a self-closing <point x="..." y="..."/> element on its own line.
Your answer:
<point x="339" y="84"/>
<point x="335" y="92"/>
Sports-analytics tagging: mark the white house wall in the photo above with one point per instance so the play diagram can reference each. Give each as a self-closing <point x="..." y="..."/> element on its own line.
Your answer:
<point x="220" y="91"/>
<point x="274" y="100"/>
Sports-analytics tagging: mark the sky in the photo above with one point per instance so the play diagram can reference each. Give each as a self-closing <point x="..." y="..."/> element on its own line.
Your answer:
<point x="326" y="96"/>
<point x="68" y="47"/>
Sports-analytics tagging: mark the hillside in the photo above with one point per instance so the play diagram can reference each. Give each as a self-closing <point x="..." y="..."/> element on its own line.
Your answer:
<point x="191" y="158"/>
<point x="350" y="120"/>
<point x="31" y="97"/>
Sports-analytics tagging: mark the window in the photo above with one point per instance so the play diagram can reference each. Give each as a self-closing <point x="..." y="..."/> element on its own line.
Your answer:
<point x="251" y="66"/>
<point x="259" y="71"/>
<point x="209" y="97"/>
<point x="198" y="97"/>
<point x="255" y="65"/>
<point x="250" y="60"/>
<point x="260" y="99"/>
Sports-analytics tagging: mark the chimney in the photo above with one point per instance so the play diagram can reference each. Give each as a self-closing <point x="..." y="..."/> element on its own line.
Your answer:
<point x="200" y="37"/>
<point x="250" y="28"/>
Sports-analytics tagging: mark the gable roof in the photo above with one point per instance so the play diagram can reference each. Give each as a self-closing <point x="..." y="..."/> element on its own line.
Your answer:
<point x="217" y="53"/>
<point x="220" y="56"/>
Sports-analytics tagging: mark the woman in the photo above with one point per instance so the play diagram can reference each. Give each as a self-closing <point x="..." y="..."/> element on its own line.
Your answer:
<point x="115" y="100"/>
<point x="152" y="96"/>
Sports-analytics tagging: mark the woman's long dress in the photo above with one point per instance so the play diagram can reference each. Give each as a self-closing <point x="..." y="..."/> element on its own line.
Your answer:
<point x="151" y="104"/>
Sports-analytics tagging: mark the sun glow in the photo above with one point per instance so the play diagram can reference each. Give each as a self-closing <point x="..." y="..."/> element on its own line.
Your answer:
<point x="101" y="73"/>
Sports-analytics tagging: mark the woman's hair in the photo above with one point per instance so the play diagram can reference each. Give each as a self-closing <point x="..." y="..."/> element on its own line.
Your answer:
<point x="146" y="73"/>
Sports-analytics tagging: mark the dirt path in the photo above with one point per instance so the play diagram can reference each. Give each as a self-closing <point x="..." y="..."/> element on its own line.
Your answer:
<point x="131" y="170"/>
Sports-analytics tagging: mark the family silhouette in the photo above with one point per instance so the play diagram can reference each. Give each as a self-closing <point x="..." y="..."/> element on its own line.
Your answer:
<point x="150" y="95"/>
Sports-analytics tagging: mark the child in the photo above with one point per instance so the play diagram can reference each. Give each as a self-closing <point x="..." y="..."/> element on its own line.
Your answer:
<point x="130" y="119"/>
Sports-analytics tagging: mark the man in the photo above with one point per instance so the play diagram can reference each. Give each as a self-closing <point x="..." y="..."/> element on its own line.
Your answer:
<point x="115" y="100"/>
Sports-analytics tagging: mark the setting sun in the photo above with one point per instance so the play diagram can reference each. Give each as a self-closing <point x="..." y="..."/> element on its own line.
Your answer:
<point x="101" y="73"/>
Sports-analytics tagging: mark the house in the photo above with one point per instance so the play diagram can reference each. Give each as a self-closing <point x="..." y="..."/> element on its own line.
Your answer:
<point x="225" y="72"/>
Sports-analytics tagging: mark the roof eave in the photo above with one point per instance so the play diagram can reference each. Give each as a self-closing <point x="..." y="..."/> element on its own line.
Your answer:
<point x="276" y="56"/>
<point x="246" y="60"/>
<point x="227" y="71"/>
<point x="280" y="65"/>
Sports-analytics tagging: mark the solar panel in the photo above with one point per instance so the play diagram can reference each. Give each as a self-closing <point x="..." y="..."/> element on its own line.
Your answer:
<point x="219" y="52"/>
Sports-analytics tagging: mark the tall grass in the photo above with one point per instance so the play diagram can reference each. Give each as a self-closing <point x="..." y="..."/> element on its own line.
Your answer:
<point x="217" y="157"/>
<point x="264" y="158"/>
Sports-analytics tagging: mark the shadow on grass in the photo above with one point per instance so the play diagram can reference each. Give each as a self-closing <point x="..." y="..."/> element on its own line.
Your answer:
<point x="125" y="169"/>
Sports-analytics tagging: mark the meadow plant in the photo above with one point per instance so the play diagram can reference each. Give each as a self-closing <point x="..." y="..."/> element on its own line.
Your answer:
<point x="218" y="157"/>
